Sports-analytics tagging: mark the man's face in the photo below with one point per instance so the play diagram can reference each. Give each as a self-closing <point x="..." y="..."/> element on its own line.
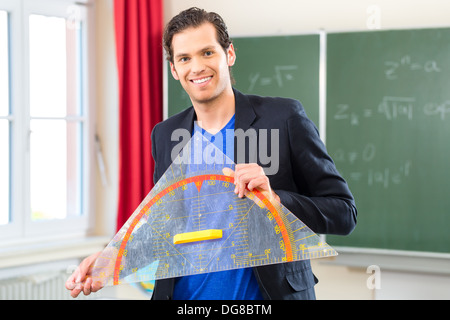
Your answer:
<point x="200" y="63"/>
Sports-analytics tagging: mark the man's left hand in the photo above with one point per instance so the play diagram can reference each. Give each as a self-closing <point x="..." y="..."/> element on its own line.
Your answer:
<point x="250" y="176"/>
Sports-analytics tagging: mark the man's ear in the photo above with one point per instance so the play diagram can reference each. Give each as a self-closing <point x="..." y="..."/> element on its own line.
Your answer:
<point x="231" y="54"/>
<point x="174" y="72"/>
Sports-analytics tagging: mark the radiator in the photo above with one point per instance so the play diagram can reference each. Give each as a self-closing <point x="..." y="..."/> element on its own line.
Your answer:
<point x="38" y="287"/>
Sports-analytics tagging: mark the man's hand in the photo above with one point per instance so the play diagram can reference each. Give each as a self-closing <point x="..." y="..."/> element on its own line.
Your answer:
<point x="80" y="280"/>
<point x="250" y="176"/>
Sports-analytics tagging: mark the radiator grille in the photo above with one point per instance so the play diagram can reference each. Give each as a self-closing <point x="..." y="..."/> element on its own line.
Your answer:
<point x="38" y="287"/>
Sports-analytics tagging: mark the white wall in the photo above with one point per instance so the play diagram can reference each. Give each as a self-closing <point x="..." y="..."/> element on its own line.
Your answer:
<point x="107" y="117"/>
<point x="268" y="17"/>
<point x="260" y="17"/>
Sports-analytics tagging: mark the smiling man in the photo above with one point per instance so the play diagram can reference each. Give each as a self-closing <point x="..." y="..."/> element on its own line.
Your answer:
<point x="201" y="55"/>
<point x="305" y="181"/>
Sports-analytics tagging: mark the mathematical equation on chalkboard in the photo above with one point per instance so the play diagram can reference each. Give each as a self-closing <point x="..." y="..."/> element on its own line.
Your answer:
<point x="407" y="65"/>
<point x="372" y="175"/>
<point x="362" y="164"/>
<point x="391" y="109"/>
<point x="279" y="76"/>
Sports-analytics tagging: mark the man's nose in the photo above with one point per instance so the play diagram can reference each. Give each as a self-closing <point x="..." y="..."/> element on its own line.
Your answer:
<point x="198" y="66"/>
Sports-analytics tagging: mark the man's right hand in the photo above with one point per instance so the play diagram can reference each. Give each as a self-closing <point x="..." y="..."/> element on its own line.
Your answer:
<point x="80" y="280"/>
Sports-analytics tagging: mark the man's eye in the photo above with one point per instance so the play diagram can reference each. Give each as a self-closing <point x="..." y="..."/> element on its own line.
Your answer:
<point x="184" y="59"/>
<point x="208" y="53"/>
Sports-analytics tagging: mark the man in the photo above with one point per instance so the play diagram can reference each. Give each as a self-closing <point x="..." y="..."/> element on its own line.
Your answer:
<point x="306" y="180"/>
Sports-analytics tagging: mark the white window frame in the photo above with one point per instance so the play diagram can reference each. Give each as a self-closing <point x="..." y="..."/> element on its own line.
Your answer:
<point x="22" y="228"/>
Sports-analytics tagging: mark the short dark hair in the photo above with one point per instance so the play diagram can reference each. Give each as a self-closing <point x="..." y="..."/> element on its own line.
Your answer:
<point x="194" y="17"/>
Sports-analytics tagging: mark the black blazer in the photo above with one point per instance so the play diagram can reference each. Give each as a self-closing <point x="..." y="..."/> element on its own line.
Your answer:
<point x="306" y="181"/>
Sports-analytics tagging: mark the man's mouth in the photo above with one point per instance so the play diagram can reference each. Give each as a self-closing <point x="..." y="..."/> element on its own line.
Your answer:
<point x="202" y="80"/>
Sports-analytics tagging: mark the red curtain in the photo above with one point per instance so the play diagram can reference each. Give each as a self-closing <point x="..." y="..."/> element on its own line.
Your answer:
<point x="139" y="28"/>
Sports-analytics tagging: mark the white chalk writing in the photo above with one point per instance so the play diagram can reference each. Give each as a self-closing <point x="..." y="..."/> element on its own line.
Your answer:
<point x="407" y="64"/>
<point x="281" y="75"/>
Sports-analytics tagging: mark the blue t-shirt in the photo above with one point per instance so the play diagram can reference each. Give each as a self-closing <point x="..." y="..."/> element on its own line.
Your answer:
<point x="238" y="284"/>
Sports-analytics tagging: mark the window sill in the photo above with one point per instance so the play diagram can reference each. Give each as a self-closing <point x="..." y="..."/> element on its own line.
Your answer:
<point x="35" y="252"/>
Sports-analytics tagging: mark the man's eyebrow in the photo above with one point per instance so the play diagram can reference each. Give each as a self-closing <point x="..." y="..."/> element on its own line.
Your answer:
<point x="179" y="55"/>
<point x="209" y="47"/>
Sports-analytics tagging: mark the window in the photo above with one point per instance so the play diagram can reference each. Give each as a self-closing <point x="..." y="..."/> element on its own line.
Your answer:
<point x="56" y="112"/>
<point x="46" y="134"/>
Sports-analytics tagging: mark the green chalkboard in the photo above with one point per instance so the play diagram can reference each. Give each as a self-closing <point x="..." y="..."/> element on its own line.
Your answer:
<point x="388" y="130"/>
<point x="284" y="66"/>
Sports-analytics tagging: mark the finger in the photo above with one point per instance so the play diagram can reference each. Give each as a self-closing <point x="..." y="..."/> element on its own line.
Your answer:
<point x="260" y="182"/>
<point x="80" y="274"/>
<point x="240" y="185"/>
<point x="74" y="279"/>
<point x="70" y="282"/>
<point x="243" y="174"/>
<point x="87" y="287"/>
<point x="241" y="189"/>
<point x="228" y="172"/>
<point x="75" y="292"/>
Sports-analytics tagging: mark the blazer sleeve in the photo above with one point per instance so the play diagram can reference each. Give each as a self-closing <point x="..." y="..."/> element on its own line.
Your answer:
<point x="324" y="201"/>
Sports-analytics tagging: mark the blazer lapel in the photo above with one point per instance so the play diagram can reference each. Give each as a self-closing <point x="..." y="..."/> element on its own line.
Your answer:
<point x="245" y="115"/>
<point x="187" y="123"/>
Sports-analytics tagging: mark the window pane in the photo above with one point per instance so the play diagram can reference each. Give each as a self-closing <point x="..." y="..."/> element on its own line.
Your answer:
<point x="4" y="64"/>
<point x="56" y="170"/>
<point x="54" y="67"/>
<point x="4" y="173"/>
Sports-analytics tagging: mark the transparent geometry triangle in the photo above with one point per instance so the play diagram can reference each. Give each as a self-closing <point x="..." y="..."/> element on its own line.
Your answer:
<point x="192" y="222"/>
